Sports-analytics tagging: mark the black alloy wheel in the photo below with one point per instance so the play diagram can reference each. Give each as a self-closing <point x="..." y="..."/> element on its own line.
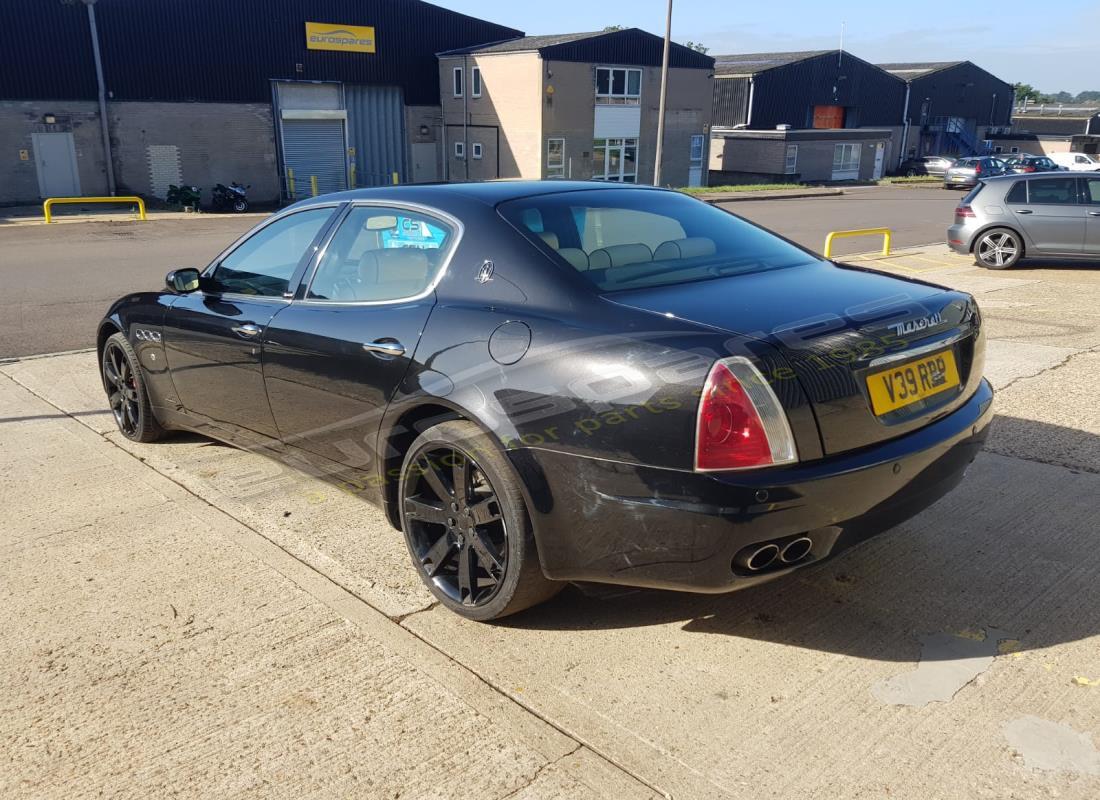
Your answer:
<point x="456" y="526"/>
<point x="126" y="393"/>
<point x="466" y="524"/>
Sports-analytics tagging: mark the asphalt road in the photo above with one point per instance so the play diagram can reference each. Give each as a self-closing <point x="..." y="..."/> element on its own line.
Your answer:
<point x="58" y="280"/>
<point x="916" y="216"/>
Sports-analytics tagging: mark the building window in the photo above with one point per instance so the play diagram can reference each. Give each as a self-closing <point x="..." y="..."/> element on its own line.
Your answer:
<point x="460" y="149"/>
<point x="615" y="160"/>
<point x="1014" y="150"/>
<point x="475" y="149"/>
<point x="475" y="82"/>
<point x="790" y="165"/>
<point x="458" y="81"/>
<point x="846" y="160"/>
<point x="555" y="158"/>
<point x="696" y="147"/>
<point x="618" y="86"/>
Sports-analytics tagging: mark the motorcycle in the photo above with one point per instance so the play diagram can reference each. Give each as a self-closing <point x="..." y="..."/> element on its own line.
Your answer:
<point x="229" y="198"/>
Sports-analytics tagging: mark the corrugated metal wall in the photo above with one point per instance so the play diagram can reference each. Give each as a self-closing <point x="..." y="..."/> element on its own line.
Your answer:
<point x="731" y="96"/>
<point x="376" y="129"/>
<point x="784" y="94"/>
<point x="963" y="91"/>
<point x="223" y="50"/>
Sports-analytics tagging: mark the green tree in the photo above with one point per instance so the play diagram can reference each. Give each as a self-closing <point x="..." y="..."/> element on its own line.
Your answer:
<point x="697" y="46"/>
<point x="1025" y="91"/>
<point x="613" y="28"/>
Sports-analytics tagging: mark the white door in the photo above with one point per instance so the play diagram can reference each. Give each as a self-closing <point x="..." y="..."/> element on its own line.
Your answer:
<point x="425" y="157"/>
<point x="55" y="158"/>
<point x="695" y="168"/>
<point x="880" y="150"/>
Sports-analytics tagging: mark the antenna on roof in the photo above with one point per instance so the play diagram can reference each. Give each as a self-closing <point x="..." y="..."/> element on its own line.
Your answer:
<point x="840" y="52"/>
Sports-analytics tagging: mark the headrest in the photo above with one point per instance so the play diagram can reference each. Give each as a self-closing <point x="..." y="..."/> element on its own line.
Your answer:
<point x="576" y="257"/>
<point x="550" y="238"/>
<point x="691" y="247"/>
<point x="619" y="255"/>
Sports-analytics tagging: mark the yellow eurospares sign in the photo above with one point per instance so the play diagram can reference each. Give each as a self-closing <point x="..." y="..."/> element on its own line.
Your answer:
<point x="346" y="38"/>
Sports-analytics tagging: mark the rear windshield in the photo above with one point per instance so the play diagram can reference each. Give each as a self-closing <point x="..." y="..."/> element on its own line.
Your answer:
<point x="631" y="238"/>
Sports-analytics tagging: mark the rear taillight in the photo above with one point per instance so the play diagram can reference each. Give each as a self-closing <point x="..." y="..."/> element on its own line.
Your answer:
<point x="977" y="169"/>
<point x="740" y="423"/>
<point x="1028" y="169"/>
<point x="964" y="211"/>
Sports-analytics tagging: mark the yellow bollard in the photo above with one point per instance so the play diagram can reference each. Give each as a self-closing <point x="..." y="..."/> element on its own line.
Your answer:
<point x="290" y="183"/>
<point x="313" y="184"/>
<point x="353" y="176"/>
<point x="395" y="179"/>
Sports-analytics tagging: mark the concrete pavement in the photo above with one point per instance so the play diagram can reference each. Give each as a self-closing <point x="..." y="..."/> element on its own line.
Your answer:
<point x="249" y="629"/>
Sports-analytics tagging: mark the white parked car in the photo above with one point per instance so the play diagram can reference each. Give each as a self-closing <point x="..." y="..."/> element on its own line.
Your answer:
<point x="1078" y="162"/>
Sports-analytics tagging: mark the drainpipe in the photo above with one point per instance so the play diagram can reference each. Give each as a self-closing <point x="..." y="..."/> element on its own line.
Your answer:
<point x="102" y="99"/>
<point x="465" y="117"/>
<point x="748" y="112"/>
<point x="905" y="123"/>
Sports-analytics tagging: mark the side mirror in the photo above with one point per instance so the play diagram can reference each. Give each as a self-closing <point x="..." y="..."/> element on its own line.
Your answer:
<point x="182" y="281"/>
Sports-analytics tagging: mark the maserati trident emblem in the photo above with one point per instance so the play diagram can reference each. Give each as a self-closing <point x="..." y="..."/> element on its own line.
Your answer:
<point x="485" y="274"/>
<point x="915" y="325"/>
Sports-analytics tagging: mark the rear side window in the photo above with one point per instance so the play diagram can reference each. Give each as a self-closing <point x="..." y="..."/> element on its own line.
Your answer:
<point x="1018" y="193"/>
<point x="381" y="254"/>
<point x="631" y="238"/>
<point x="1053" y="191"/>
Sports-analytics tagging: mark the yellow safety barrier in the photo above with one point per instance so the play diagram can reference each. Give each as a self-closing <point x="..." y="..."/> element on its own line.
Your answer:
<point x="396" y="179"/>
<point x="352" y="175"/>
<point x="313" y="184"/>
<point x="885" y="233"/>
<point x="290" y="183"/>
<point x="51" y="202"/>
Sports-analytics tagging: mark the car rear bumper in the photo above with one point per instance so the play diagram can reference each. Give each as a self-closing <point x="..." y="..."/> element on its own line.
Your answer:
<point x="960" y="180"/>
<point x="959" y="238"/>
<point x="609" y="522"/>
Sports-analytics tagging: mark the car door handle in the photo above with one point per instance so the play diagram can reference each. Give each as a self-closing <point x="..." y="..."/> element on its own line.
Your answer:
<point x="248" y="329"/>
<point x="385" y="347"/>
<point x="1094" y="213"/>
<point x="1023" y="211"/>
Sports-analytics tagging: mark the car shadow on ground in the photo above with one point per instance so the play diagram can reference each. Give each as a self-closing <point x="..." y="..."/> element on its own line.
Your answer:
<point x="1014" y="550"/>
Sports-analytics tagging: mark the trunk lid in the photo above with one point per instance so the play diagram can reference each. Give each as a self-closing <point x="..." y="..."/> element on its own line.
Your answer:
<point x="838" y="326"/>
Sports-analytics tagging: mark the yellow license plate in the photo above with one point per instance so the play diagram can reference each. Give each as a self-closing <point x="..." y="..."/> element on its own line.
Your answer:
<point x="907" y="383"/>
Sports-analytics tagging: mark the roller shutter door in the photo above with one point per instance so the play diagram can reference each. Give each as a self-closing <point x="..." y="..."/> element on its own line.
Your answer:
<point x="315" y="147"/>
<point x="376" y="128"/>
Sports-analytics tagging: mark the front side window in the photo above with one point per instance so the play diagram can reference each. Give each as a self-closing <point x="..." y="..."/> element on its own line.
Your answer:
<point x="790" y="164"/>
<point x="618" y="86"/>
<point x="475" y="82"/>
<point x="457" y="81"/>
<point x="382" y="254"/>
<point x="1053" y="191"/>
<point x="627" y="239"/>
<point x="263" y="264"/>
<point x="1092" y="191"/>
<point x="615" y="160"/>
<point x="555" y="158"/>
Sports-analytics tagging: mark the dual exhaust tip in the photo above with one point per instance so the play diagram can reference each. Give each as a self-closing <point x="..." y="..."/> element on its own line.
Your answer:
<point x="760" y="557"/>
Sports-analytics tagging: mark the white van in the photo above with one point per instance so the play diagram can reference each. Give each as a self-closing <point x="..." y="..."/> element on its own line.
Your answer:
<point x="1078" y="162"/>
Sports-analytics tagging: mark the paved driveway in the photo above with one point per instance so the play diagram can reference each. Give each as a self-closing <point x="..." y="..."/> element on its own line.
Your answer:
<point x="957" y="656"/>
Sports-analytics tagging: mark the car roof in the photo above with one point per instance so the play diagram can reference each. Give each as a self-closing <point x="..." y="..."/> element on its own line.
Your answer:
<point x="488" y="192"/>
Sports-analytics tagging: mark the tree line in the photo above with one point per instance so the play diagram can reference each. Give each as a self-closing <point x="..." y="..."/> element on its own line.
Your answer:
<point x="1034" y="96"/>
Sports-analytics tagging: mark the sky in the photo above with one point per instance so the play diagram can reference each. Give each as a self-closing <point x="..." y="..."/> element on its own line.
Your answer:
<point x="1010" y="39"/>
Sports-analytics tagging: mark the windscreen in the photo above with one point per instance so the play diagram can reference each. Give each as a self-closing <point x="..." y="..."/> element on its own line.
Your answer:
<point x="632" y="238"/>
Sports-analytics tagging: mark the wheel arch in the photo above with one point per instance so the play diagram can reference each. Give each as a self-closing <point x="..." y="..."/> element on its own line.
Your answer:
<point x="107" y="328"/>
<point x="993" y="226"/>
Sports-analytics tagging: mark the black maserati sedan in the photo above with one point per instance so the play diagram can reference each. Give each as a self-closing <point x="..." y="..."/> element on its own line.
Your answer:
<point x="543" y="382"/>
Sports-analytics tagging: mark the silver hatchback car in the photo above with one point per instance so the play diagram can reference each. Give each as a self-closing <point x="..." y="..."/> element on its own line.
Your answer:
<point x="1004" y="219"/>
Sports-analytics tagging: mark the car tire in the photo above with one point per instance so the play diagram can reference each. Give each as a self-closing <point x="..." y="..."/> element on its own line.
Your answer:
<point x="910" y="173"/>
<point x="126" y="391"/>
<point x="454" y="475"/>
<point x="998" y="248"/>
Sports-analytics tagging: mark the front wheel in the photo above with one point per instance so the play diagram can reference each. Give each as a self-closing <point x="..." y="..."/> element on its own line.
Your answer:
<point x="999" y="248"/>
<point x="240" y="206"/>
<point x="466" y="524"/>
<point x="126" y="392"/>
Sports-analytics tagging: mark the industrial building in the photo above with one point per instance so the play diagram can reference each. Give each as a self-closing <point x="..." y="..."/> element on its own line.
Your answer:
<point x="1042" y="130"/>
<point x="951" y="107"/>
<point x="287" y="96"/>
<point x="816" y="115"/>
<point x="580" y="105"/>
